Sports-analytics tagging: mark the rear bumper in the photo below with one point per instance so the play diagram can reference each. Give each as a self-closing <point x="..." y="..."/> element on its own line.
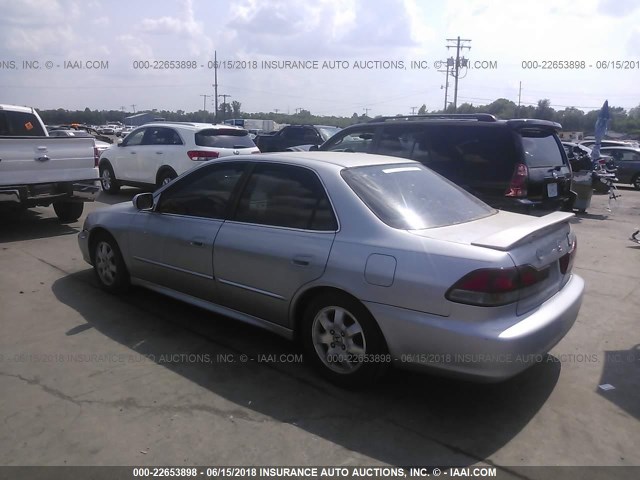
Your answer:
<point x="47" y="193"/>
<point x="486" y="351"/>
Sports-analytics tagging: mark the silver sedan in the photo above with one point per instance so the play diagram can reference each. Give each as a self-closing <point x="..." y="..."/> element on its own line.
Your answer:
<point x="367" y="260"/>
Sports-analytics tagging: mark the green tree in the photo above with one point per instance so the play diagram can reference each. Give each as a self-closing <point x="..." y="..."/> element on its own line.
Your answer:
<point x="544" y="111"/>
<point x="235" y="106"/>
<point x="422" y="110"/>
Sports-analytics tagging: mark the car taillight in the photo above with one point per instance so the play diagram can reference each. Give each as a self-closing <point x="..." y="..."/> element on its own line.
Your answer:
<point x="96" y="156"/>
<point x="518" y="185"/>
<point x="566" y="261"/>
<point x="202" y="155"/>
<point x="492" y="287"/>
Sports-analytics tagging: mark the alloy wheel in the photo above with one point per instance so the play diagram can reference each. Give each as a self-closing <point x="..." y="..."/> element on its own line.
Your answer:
<point x="106" y="263"/>
<point x="338" y="339"/>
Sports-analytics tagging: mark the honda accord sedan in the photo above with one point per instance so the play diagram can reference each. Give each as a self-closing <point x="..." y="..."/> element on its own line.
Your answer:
<point x="366" y="260"/>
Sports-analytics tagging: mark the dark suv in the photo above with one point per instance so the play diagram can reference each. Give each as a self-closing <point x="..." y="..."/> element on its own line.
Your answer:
<point x="509" y="164"/>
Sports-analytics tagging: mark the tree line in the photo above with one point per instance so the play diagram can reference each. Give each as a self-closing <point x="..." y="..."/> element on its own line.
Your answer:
<point x="571" y="118"/>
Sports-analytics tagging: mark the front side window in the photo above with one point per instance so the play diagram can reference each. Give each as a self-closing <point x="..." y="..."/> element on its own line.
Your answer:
<point x="286" y="196"/>
<point x="134" y="138"/>
<point x="355" y="140"/>
<point x="410" y="196"/>
<point x="204" y="193"/>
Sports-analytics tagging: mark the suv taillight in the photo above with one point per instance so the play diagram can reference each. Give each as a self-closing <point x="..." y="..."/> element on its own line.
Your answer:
<point x="202" y="155"/>
<point x="96" y="156"/>
<point x="518" y="185"/>
<point x="492" y="287"/>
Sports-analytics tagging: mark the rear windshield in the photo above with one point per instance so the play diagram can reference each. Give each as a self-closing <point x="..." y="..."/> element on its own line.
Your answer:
<point x="542" y="151"/>
<point x="410" y="196"/>
<point x="224" y="138"/>
<point x="20" y="124"/>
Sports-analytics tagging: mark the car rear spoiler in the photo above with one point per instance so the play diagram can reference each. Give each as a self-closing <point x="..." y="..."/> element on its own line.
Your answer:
<point x="509" y="238"/>
<point x="533" y="124"/>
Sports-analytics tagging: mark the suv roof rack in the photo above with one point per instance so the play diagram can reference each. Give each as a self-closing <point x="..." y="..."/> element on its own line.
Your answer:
<point x="480" y="117"/>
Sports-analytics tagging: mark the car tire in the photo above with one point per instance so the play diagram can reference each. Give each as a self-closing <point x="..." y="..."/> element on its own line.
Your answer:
<point x="636" y="182"/>
<point x="108" y="264"/>
<point x="166" y="177"/>
<point x="68" y="211"/>
<point x="354" y="333"/>
<point x="108" y="179"/>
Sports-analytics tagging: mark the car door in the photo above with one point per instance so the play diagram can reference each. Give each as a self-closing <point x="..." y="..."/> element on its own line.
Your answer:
<point x="160" y="146"/>
<point x="172" y="245"/>
<point x="278" y="240"/>
<point x="627" y="162"/>
<point x="127" y="155"/>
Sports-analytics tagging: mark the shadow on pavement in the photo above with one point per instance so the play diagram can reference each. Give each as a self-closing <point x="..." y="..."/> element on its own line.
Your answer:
<point x="31" y="224"/>
<point x="622" y="372"/>
<point x="405" y="419"/>
<point x="124" y="195"/>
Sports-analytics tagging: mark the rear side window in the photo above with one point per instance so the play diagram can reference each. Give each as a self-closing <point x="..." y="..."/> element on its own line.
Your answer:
<point x="410" y="196"/>
<point x="224" y="138"/>
<point x="20" y="124"/>
<point x="467" y="154"/>
<point x="542" y="151"/>
<point x="286" y="196"/>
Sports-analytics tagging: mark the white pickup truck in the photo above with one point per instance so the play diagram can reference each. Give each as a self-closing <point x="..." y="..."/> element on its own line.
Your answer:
<point x="39" y="170"/>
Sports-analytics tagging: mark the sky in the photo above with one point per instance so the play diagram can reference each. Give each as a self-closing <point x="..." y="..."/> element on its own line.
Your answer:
<point x="382" y="56"/>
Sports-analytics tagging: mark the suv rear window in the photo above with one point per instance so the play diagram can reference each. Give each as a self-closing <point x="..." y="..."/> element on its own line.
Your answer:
<point x="410" y="196"/>
<point x="542" y="151"/>
<point x="224" y="138"/>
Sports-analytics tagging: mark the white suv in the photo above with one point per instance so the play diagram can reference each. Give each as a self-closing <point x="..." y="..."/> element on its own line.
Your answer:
<point x="156" y="153"/>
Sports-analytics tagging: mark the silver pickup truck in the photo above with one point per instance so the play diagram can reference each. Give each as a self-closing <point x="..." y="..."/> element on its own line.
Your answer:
<point x="39" y="170"/>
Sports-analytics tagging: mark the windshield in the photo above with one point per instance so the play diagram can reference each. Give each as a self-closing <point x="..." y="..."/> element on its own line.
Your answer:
<point x="327" y="132"/>
<point x="224" y="138"/>
<point x="411" y="196"/>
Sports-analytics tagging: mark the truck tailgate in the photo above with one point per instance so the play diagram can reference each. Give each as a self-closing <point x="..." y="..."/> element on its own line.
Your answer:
<point x="33" y="160"/>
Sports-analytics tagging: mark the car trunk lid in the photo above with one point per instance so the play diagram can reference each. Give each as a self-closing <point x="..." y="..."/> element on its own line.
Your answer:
<point x="544" y="243"/>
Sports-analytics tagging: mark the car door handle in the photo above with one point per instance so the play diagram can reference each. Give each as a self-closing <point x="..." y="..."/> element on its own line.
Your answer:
<point x="159" y="153"/>
<point x="196" y="243"/>
<point x="132" y="153"/>
<point x="301" y="261"/>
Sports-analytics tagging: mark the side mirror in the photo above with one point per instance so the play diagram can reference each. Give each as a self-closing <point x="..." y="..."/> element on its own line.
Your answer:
<point x="143" y="201"/>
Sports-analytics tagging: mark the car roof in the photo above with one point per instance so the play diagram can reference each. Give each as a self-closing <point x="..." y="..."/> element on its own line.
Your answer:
<point x="338" y="160"/>
<point x="192" y="125"/>
<point x="620" y="147"/>
<point x="16" y="108"/>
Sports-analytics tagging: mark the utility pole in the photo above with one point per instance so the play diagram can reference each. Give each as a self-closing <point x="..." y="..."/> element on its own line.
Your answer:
<point x="224" y="103"/>
<point x="413" y="110"/>
<point x="134" y="108"/>
<point x="204" y="106"/>
<point x="298" y="110"/>
<point x="519" y="97"/>
<point x="459" y="62"/>
<point x="366" y="111"/>
<point x="449" y="63"/>
<point x="215" y="84"/>
<point x="276" y="110"/>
